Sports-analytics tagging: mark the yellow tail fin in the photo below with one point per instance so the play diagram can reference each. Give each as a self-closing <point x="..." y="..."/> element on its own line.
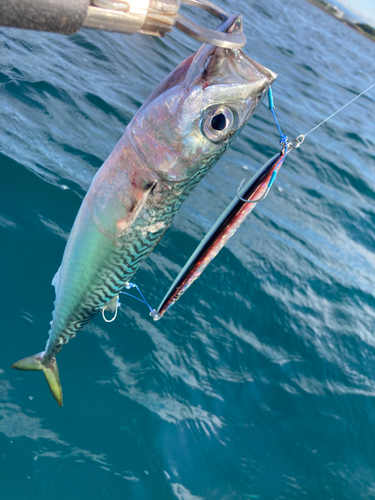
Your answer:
<point x="51" y="372"/>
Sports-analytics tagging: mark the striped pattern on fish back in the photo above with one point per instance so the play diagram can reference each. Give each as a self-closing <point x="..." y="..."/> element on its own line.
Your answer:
<point x="126" y="259"/>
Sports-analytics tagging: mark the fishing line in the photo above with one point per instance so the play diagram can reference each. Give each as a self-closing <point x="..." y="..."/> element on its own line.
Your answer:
<point x="288" y="146"/>
<point x="295" y="143"/>
<point x="153" y="312"/>
<point x="271" y="105"/>
<point x="338" y="111"/>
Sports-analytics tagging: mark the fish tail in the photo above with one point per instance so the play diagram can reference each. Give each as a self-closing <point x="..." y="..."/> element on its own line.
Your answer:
<point x="50" y="371"/>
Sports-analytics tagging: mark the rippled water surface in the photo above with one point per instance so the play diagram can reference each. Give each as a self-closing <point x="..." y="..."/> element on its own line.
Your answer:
<point x="260" y="382"/>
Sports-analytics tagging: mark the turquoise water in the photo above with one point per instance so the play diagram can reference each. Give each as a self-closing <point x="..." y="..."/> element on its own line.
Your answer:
<point x="260" y="382"/>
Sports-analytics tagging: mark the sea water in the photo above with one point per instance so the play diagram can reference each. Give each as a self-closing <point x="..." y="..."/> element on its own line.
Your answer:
<point x="259" y="382"/>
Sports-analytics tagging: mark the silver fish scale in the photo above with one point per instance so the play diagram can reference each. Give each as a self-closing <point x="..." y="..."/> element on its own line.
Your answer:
<point x="126" y="212"/>
<point x="126" y="260"/>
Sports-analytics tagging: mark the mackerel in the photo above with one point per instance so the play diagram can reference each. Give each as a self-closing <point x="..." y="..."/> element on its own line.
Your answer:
<point x="174" y="139"/>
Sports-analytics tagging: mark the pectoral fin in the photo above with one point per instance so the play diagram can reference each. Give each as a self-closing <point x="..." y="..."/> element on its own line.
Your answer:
<point x="55" y="281"/>
<point x="126" y="222"/>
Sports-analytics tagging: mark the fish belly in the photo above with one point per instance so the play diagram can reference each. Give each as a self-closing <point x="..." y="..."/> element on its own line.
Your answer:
<point x="123" y="216"/>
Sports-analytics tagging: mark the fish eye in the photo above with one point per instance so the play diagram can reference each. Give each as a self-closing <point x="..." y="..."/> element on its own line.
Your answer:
<point x="218" y="123"/>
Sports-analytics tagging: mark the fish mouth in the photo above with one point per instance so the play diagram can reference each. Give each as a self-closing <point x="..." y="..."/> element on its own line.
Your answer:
<point x="173" y="116"/>
<point x="215" y="65"/>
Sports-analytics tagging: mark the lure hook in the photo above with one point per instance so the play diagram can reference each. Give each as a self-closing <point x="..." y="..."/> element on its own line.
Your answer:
<point x="115" y="314"/>
<point x="273" y="176"/>
<point x="267" y="191"/>
<point x="251" y="201"/>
